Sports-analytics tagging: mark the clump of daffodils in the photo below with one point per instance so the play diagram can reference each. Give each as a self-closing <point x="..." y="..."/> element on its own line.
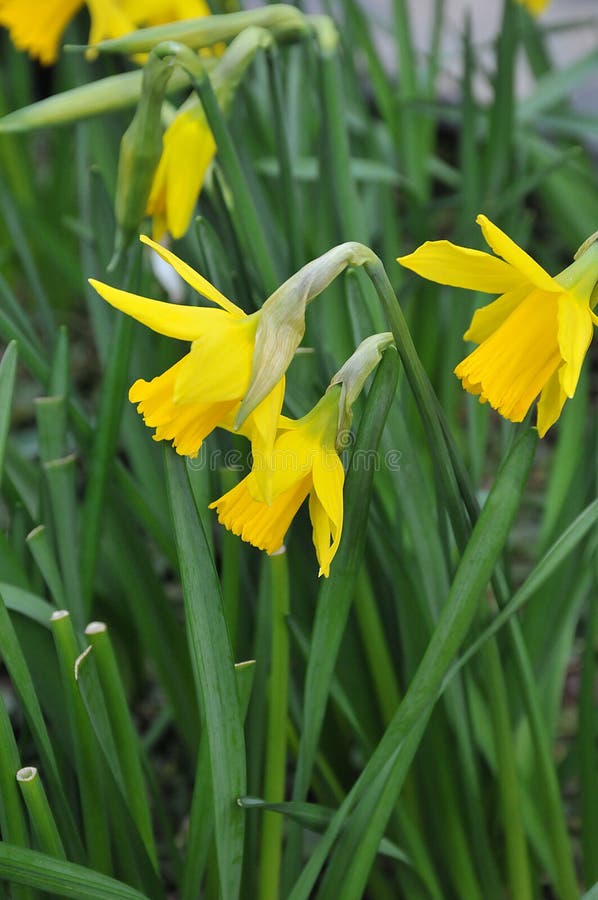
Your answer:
<point x="533" y="339"/>
<point x="233" y="377"/>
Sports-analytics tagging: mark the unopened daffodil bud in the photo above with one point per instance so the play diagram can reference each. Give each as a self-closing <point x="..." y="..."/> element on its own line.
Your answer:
<point x="353" y="374"/>
<point x="281" y="323"/>
<point x="285" y="22"/>
<point x="140" y="150"/>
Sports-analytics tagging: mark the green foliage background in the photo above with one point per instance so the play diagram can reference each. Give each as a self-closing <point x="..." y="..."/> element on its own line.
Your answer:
<point x="430" y="709"/>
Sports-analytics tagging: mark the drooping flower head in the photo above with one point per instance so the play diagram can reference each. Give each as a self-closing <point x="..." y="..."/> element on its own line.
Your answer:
<point x="534" y="337"/>
<point x="304" y="462"/>
<point x="37" y="26"/>
<point x="205" y="388"/>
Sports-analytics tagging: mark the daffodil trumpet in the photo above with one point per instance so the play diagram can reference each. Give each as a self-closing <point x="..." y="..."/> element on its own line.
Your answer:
<point x="533" y="339"/>
<point x="304" y="462"/>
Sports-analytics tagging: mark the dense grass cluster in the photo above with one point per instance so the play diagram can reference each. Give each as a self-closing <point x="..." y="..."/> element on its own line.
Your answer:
<point x="190" y="717"/>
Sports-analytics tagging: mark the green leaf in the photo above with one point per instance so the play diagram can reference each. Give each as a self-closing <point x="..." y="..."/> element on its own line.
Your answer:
<point x="214" y="674"/>
<point x="8" y="369"/>
<point x="66" y="879"/>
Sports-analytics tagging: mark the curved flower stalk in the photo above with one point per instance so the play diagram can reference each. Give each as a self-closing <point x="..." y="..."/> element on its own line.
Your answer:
<point x="304" y="462"/>
<point x="37" y="26"/>
<point x="205" y="388"/>
<point x="534" y="337"/>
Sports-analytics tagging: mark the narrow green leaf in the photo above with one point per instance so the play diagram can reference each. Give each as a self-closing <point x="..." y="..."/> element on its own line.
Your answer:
<point x="54" y="876"/>
<point x="8" y="369"/>
<point x="377" y="789"/>
<point x="214" y="675"/>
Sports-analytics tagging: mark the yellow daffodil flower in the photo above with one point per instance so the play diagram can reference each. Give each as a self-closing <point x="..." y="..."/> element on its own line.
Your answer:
<point x="533" y="338"/>
<point x="304" y="462"/>
<point x="535" y="6"/>
<point x="205" y="388"/>
<point x="187" y="151"/>
<point x="37" y="26"/>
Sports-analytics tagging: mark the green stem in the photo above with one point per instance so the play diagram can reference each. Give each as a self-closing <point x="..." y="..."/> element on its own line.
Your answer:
<point x="12" y="820"/>
<point x="508" y="781"/>
<point x="89" y="774"/>
<point x="125" y="736"/>
<point x="104" y="447"/>
<point x="588" y="792"/>
<point x="40" y="813"/>
<point x="249" y="222"/>
<point x="276" y="741"/>
<point x="376" y="648"/>
<point x="288" y="190"/>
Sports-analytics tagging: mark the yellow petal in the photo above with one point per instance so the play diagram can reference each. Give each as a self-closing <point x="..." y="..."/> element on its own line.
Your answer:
<point x="550" y="404"/>
<point x="511" y="367"/>
<point x="326" y="507"/>
<point x="37" y="25"/>
<point x="186" y="323"/>
<point x="261" y="427"/>
<point x="186" y="424"/>
<point x="516" y="257"/>
<point x="449" y="264"/>
<point x="188" y="149"/>
<point x="219" y="365"/>
<point x="108" y="20"/>
<point x="193" y="278"/>
<point x="255" y="522"/>
<point x="487" y="319"/>
<point x="575" y="331"/>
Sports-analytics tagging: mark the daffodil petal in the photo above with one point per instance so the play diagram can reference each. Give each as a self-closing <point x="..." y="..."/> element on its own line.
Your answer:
<point x="193" y="278"/>
<point x="219" y="364"/>
<point x="37" y="26"/>
<point x="527" y="267"/>
<point x="456" y="266"/>
<point x="575" y="331"/>
<point x="186" y="177"/>
<point x="254" y="521"/>
<point x="329" y="478"/>
<point x="550" y="404"/>
<point x="487" y="319"/>
<point x="511" y="367"/>
<point x="322" y="531"/>
<point x="186" y="323"/>
<point x="186" y="425"/>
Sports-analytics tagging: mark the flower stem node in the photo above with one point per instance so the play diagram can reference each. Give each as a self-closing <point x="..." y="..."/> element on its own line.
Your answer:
<point x="353" y="375"/>
<point x="281" y="324"/>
